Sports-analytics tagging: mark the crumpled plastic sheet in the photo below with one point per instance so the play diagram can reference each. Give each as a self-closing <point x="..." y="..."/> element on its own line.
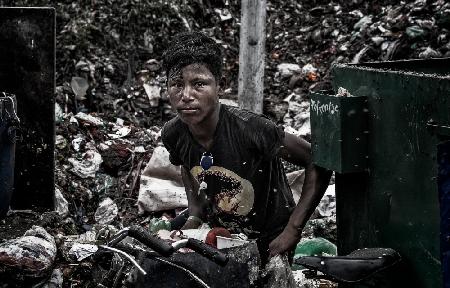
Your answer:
<point x="76" y="142"/>
<point x="121" y="132"/>
<point x="288" y="69"/>
<point x="89" y="237"/>
<point x="106" y="212"/>
<point x="56" y="280"/>
<point x="58" y="113"/>
<point x="82" y="251"/>
<point x="158" y="195"/>
<point x="154" y="94"/>
<point x="60" y="142"/>
<point x="303" y="282"/>
<point x="61" y="204"/>
<point x="295" y="180"/>
<point x="34" y="253"/>
<point x="95" y="121"/>
<point x="279" y="273"/>
<point x="160" y="186"/>
<point x="297" y="118"/>
<point x="327" y="205"/>
<point x="88" y="166"/>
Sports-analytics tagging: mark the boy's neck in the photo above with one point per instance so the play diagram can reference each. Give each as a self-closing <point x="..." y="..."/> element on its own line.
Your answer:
<point x="203" y="133"/>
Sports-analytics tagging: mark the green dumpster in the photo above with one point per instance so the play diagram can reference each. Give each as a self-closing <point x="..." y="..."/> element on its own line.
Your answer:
<point x="398" y="195"/>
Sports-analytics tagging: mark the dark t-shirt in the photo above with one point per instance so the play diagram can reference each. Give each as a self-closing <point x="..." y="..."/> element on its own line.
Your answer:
<point x="246" y="185"/>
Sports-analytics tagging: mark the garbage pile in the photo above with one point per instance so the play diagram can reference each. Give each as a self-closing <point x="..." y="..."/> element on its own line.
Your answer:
<point x="112" y="102"/>
<point x="113" y="66"/>
<point x="97" y="161"/>
<point x="305" y="39"/>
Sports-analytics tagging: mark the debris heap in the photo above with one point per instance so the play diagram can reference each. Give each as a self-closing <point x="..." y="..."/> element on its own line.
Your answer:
<point x="112" y="100"/>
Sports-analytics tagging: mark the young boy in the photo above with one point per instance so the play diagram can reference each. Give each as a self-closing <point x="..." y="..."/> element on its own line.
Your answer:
<point x="231" y="158"/>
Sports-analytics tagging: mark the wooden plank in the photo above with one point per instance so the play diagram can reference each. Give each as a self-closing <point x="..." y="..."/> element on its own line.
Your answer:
<point x="252" y="55"/>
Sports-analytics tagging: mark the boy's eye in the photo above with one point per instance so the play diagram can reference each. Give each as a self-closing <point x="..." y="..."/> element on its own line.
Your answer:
<point x="176" y="85"/>
<point x="200" y="84"/>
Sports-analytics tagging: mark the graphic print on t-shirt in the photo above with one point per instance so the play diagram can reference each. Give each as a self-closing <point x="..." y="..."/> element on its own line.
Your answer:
<point x="236" y="195"/>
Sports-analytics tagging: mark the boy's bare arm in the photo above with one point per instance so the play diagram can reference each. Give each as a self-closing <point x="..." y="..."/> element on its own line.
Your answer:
<point x="298" y="152"/>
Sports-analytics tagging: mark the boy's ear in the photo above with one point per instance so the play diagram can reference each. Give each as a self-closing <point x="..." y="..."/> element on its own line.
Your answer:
<point x="219" y="86"/>
<point x="219" y="91"/>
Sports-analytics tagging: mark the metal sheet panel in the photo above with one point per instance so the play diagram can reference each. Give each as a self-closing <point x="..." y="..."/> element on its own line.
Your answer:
<point x="27" y="69"/>
<point x="339" y="132"/>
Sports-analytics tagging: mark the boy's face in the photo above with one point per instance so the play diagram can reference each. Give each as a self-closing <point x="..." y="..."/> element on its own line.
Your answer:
<point x="193" y="93"/>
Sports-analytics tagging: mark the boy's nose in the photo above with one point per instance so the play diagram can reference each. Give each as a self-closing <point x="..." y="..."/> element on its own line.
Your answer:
<point x="187" y="94"/>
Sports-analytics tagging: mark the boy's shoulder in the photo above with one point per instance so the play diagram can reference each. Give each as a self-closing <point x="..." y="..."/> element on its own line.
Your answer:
<point x="172" y="128"/>
<point x="247" y="116"/>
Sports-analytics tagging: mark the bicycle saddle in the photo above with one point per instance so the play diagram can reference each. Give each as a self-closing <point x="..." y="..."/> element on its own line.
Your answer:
<point x="354" y="267"/>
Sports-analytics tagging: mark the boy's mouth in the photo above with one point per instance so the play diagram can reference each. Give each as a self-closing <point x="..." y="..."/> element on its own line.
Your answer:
<point x="188" y="110"/>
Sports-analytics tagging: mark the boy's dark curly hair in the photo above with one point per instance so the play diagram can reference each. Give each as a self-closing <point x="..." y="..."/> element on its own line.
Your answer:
<point x="193" y="47"/>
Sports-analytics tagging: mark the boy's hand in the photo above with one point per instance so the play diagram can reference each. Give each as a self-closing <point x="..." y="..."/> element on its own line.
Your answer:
<point x="286" y="241"/>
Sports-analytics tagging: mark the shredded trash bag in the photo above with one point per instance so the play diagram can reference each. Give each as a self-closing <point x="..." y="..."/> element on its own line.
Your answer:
<point x="160" y="187"/>
<point x="32" y="254"/>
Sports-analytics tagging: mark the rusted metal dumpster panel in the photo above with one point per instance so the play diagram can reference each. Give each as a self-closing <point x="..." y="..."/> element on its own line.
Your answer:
<point x="27" y="69"/>
<point x="438" y="66"/>
<point x="340" y="130"/>
<point x="398" y="198"/>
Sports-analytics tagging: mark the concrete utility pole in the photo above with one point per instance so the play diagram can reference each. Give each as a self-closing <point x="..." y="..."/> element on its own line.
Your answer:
<point x="252" y="55"/>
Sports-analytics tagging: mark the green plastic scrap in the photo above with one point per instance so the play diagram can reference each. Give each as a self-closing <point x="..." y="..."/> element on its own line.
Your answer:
<point x="157" y="224"/>
<point x="313" y="247"/>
